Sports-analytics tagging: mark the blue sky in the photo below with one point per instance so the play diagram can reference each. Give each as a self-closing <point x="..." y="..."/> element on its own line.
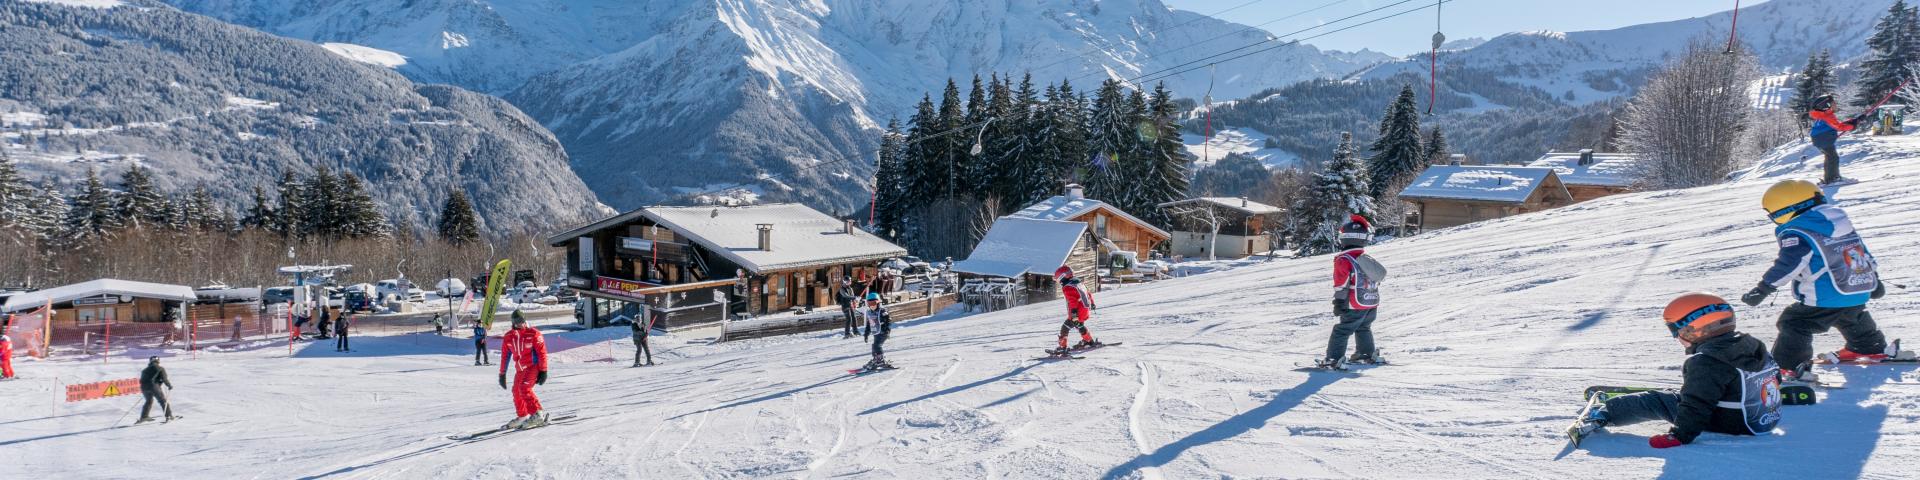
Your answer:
<point x="1461" y="18"/>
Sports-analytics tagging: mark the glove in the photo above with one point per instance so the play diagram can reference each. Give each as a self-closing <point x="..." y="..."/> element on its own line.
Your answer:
<point x="503" y="381"/>
<point x="1339" y="304"/>
<point x="1853" y="122"/>
<point x="542" y="379"/>
<point x="1758" y="294"/>
<point x="1664" y="440"/>
<point x="1879" y="290"/>
<point x="1093" y="307"/>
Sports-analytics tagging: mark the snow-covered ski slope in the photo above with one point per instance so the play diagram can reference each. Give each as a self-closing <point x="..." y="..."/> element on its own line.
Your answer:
<point x="1496" y="328"/>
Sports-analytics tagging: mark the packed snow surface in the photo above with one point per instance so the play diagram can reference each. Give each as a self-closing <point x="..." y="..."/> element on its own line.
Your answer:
<point x="367" y="55"/>
<point x="1209" y="150"/>
<point x="1495" y="328"/>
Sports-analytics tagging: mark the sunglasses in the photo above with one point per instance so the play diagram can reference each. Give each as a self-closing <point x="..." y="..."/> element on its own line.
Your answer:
<point x="1677" y="326"/>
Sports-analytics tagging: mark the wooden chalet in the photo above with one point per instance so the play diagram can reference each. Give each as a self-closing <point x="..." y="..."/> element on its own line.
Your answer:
<point x="1241" y="226"/>
<point x="1452" y="195"/>
<point x="1112" y="228"/>
<point x="1590" y="175"/>
<point x="698" y="265"/>
<point x="94" y="309"/>
<point x="1026" y="252"/>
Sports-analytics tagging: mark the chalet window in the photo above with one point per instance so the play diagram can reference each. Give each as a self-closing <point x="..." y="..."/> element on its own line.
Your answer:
<point x="96" y="315"/>
<point x="1100" y="224"/>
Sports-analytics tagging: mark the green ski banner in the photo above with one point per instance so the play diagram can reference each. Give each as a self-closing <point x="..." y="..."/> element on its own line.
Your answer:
<point x="495" y="281"/>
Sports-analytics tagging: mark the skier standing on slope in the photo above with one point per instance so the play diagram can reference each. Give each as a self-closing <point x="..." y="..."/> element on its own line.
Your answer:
<point x="1356" y="296"/>
<point x="846" y="297"/>
<point x="1728" y="384"/>
<point x="1826" y="130"/>
<point x="340" y="334"/>
<point x="880" y="325"/>
<point x="6" y="356"/>
<point x="151" y="379"/>
<point x="641" y="328"/>
<point x="1079" y="305"/>
<point x="1833" y="275"/>
<point x="480" y="344"/>
<point x="526" y="350"/>
<point x="326" y="322"/>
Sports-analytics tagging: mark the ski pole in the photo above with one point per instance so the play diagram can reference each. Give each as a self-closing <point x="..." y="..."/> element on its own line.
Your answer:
<point x="1883" y="101"/>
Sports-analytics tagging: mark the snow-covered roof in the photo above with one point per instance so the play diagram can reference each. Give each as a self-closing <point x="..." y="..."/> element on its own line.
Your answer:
<point x="1607" y="169"/>
<point x="1016" y="246"/>
<point x="802" y="236"/>
<point x="93" y="288"/>
<point x="1062" y="207"/>
<point x="1241" y="204"/>
<point x="1502" y="184"/>
<point x="306" y="269"/>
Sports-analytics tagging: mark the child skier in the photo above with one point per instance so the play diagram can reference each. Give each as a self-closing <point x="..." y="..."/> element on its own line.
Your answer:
<point x="880" y="325"/>
<point x="1079" y="304"/>
<point x="1356" y="285"/>
<point x="1728" y="382"/>
<point x="6" y="356"/>
<point x="480" y="344"/>
<point x="641" y="329"/>
<point x="525" y="349"/>
<point x="1833" y="275"/>
<point x="1826" y="129"/>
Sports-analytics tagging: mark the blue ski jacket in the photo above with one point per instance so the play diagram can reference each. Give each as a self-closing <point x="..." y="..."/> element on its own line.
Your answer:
<point x="1824" y="259"/>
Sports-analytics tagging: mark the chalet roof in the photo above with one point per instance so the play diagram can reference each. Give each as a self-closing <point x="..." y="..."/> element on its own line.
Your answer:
<point x="802" y="236"/>
<point x="1241" y="204"/>
<point x="1016" y="246"/>
<point x="1062" y="207"/>
<point x="1607" y="169"/>
<point x="93" y="288"/>
<point x="1485" y="183"/>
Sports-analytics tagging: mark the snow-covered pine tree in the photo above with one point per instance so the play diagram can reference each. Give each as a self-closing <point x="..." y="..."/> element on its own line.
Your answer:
<point x="1171" y="166"/>
<point x="1436" y="148"/>
<point x="1020" y="150"/>
<point x="973" y="170"/>
<point x="952" y="144"/>
<point x="260" y="214"/>
<point x="1061" y="142"/>
<point x="48" y="220"/>
<point x="1814" y="80"/>
<point x="178" y="212"/>
<point x="205" y="214"/>
<point x="290" y="219"/>
<point x="1110" y="141"/>
<point x="1000" y="143"/>
<point x="324" y="211"/>
<point x="1339" y="191"/>
<point x="1397" y="154"/>
<point x="888" y="177"/>
<point x="1896" y="45"/>
<point x="459" y="225"/>
<point x="139" y="202"/>
<point x="359" y="214"/>
<point x="16" y="198"/>
<point x="91" y="212"/>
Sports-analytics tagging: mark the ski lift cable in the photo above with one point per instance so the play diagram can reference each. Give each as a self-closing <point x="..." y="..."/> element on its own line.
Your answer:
<point x="1137" y="80"/>
<point x="1292" y="42"/>
<point x="1206" y="102"/>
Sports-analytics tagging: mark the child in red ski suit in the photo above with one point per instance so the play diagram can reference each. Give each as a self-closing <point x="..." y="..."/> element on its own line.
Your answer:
<point x="1079" y="302"/>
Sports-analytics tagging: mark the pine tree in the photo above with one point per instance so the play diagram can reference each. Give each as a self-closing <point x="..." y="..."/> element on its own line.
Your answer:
<point x="49" y="215"/>
<point x="1168" y="180"/>
<point x="16" y="198"/>
<point x="888" y="201"/>
<point x="1112" y="142"/>
<point x="260" y="215"/>
<point x="140" y="203"/>
<point x="953" y="144"/>
<point x="1813" y="81"/>
<point x="359" y="214"/>
<point x="1436" y="151"/>
<point x="1002" y="144"/>
<point x="1336" y="193"/>
<point x="91" y="213"/>
<point x="1896" y="46"/>
<point x="325" y="213"/>
<point x="1397" y="155"/>
<point x="1022" y="151"/>
<point x="459" y="225"/>
<point x="204" y="214"/>
<point x="290" y="219"/>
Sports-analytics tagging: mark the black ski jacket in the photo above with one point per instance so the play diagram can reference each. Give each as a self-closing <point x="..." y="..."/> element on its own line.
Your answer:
<point x="153" y="377"/>
<point x="845" y="296"/>
<point x="1711" y="377"/>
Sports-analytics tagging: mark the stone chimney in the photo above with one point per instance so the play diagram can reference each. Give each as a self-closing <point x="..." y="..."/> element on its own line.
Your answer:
<point x="1586" y="156"/>
<point x="766" y="236"/>
<point x="1243" y="202"/>
<point x="1075" y="191"/>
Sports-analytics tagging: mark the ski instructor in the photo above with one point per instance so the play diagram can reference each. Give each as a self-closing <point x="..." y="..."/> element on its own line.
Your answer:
<point x="524" y="349"/>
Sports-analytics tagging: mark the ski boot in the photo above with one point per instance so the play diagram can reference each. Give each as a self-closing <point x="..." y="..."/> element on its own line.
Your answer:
<point x="143" y="420"/>
<point x="1330" y="364"/>
<point x="1591" y="418"/>
<point x="1802" y="375"/>
<point x="517" y="422"/>
<point x="536" y="420"/>
<point x="170" y="418"/>
<point x="1087" y="343"/>
<point x="1366" y="358"/>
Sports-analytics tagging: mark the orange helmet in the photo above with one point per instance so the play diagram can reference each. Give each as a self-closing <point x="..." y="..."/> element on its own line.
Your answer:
<point x="1697" y="316"/>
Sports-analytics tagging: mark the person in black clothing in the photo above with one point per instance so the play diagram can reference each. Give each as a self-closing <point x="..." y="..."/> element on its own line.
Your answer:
<point x="326" y="322"/>
<point x="846" y="296"/>
<point x="880" y="326"/>
<point x="151" y="379"/>
<point x="640" y="348"/>
<point x="1730" y="383"/>
<point x="480" y="345"/>
<point x="340" y="335"/>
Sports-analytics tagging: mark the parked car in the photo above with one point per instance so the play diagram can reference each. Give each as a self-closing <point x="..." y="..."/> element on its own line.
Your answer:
<point x="358" y="297"/>
<point x="277" y="295"/>
<point x="450" y="287"/>
<point x="527" y="292"/>
<point x="401" y="288"/>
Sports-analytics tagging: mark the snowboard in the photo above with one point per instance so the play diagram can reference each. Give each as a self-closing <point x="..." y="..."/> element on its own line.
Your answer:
<point x="863" y="370"/>
<point x="1790" y="393"/>
<point x="502" y="430"/>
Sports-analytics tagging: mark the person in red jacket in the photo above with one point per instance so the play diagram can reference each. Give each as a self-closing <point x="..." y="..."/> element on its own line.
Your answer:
<point x="1825" y="130"/>
<point x="526" y="350"/>
<point x="6" y="356"/>
<point x="1356" y="295"/>
<point x="1079" y="302"/>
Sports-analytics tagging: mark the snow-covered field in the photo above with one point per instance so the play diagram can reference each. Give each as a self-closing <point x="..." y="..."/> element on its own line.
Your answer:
<point x="1496" y="326"/>
<point x="1235" y="140"/>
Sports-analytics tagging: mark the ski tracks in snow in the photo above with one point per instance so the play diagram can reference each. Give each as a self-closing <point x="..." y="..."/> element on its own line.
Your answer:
<point x="1412" y="433"/>
<point x="1141" y="400"/>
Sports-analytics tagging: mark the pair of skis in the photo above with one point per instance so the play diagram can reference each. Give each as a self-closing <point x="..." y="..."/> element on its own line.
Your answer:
<point x="1074" y="352"/>
<point x="871" y="369"/>
<point x="503" y="430"/>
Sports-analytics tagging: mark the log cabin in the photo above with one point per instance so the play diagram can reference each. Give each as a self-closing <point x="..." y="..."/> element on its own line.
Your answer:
<point x="1453" y="195"/>
<point x="1113" y="229"/>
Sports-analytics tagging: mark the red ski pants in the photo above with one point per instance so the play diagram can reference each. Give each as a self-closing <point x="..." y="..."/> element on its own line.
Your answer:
<point x="524" y="403"/>
<point x="6" y="366"/>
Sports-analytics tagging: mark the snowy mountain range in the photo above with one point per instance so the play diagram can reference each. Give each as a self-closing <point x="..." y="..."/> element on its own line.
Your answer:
<point x="1596" y="65"/>
<point x="725" y="91"/>
<point x="104" y="84"/>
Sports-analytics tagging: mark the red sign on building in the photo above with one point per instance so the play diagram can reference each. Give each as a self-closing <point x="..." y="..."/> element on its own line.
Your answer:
<point x="622" y="287"/>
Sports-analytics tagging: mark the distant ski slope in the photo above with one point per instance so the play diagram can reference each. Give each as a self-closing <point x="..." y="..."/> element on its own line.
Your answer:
<point x="1496" y="327"/>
